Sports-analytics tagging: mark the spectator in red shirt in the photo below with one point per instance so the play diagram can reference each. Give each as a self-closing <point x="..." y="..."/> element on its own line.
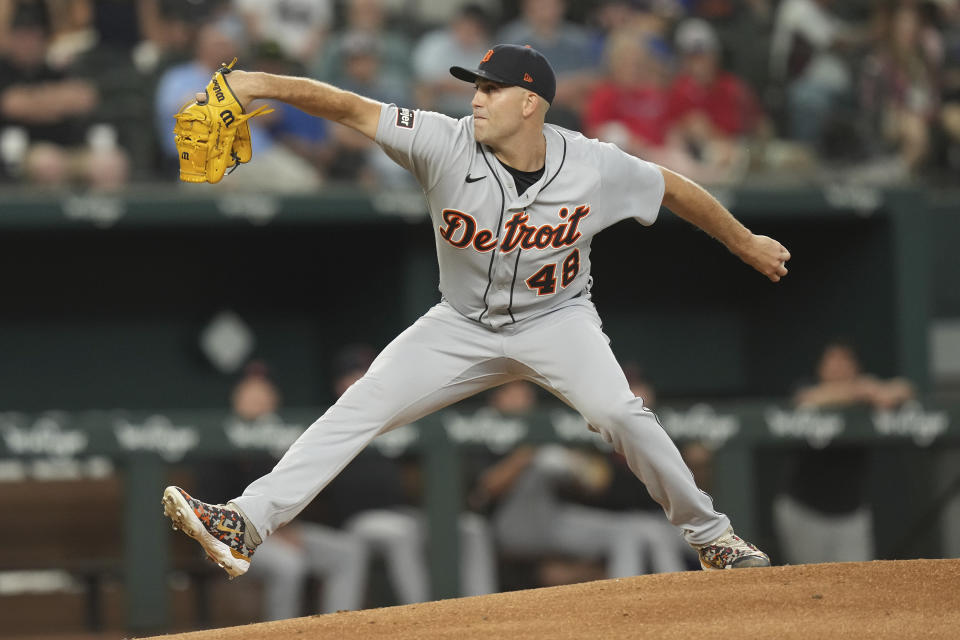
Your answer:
<point x="711" y="110"/>
<point x="629" y="107"/>
<point x="704" y="89"/>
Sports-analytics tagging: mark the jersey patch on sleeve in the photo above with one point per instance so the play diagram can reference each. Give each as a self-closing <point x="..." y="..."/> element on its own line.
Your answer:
<point x="405" y="118"/>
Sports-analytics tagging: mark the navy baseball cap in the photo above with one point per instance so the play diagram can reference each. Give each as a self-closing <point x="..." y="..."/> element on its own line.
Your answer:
<point x="515" y="65"/>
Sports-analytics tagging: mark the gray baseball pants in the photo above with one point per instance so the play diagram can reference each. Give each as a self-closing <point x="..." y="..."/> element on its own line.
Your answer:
<point x="445" y="357"/>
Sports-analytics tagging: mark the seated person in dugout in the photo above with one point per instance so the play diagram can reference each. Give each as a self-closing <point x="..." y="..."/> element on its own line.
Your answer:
<point x="823" y="514"/>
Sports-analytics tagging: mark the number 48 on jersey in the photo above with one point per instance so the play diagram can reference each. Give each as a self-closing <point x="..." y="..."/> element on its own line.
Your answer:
<point x="544" y="281"/>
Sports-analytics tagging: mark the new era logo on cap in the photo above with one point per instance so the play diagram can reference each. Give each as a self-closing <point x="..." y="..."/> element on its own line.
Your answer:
<point x="514" y="65"/>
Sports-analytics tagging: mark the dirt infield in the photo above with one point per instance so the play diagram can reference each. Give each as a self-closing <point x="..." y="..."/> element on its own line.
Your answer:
<point x="882" y="599"/>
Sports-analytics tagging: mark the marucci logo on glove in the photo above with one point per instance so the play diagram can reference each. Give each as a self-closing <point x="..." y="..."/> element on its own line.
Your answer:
<point x="405" y="118"/>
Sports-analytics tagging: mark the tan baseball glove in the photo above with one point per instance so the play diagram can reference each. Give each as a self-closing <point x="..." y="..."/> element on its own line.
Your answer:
<point x="213" y="136"/>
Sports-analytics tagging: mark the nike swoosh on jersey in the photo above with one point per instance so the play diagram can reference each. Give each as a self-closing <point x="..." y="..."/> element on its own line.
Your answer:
<point x="469" y="179"/>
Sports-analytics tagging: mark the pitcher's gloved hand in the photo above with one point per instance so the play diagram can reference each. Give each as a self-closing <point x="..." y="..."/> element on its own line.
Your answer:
<point x="213" y="135"/>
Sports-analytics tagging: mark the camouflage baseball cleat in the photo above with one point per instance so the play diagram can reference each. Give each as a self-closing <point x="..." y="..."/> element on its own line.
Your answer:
<point x="729" y="551"/>
<point x="219" y="530"/>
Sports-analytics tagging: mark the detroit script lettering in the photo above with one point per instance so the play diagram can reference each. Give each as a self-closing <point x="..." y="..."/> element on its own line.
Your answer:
<point x="460" y="230"/>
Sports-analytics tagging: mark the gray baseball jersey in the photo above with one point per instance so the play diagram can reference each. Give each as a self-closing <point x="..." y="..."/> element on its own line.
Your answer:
<point x="512" y="271"/>
<point x="506" y="257"/>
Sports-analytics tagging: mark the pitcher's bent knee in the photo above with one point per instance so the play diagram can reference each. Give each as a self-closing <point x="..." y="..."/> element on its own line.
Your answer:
<point x="618" y="420"/>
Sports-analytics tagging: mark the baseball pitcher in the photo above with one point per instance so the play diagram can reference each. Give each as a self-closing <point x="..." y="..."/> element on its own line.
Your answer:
<point x="514" y="205"/>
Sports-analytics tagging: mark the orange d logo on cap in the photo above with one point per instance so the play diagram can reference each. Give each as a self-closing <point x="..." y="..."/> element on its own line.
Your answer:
<point x="513" y="65"/>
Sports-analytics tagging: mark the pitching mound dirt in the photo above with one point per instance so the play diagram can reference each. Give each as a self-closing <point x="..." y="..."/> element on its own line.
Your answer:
<point x="869" y="600"/>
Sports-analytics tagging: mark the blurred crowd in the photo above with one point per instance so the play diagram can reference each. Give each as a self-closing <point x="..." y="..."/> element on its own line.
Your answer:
<point x="720" y="90"/>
